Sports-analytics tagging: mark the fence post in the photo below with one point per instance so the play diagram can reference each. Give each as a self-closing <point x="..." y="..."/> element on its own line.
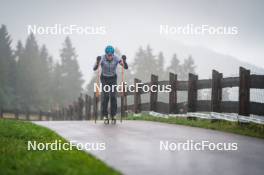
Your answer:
<point x="64" y="113"/>
<point x="123" y="101"/>
<point x="137" y="98"/>
<point x="54" y="115"/>
<point x="173" y="93"/>
<point x="220" y="90"/>
<point x="75" y="110"/>
<point x="87" y="107"/>
<point x="1" y="113"/>
<point x="153" y="95"/>
<point x="40" y="115"/>
<point x="58" y="114"/>
<point x="71" y="112"/>
<point x="27" y="114"/>
<point x="51" y="116"/>
<point x="61" y="113"/>
<point x="80" y="107"/>
<point x="216" y="93"/>
<point x="47" y="116"/>
<point x="192" y="92"/>
<point x="95" y="106"/>
<point x="16" y="113"/>
<point x="244" y="91"/>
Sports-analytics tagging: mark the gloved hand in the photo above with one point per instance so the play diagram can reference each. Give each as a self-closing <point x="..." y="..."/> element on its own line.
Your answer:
<point x="98" y="59"/>
<point x="123" y="58"/>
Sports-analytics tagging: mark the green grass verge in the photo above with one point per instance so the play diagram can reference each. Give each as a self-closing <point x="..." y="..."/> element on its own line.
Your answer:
<point x="250" y="129"/>
<point x="16" y="159"/>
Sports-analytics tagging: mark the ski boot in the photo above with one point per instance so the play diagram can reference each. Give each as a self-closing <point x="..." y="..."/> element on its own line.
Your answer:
<point x="113" y="120"/>
<point x="106" y="120"/>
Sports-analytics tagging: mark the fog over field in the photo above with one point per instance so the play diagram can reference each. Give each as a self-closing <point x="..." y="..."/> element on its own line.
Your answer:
<point x="130" y="24"/>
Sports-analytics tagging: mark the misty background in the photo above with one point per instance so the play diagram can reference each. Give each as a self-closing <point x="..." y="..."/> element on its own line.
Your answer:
<point x="132" y="25"/>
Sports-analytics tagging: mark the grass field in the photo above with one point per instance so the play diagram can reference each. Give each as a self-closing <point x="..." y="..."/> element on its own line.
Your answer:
<point x="250" y="129"/>
<point x="16" y="159"/>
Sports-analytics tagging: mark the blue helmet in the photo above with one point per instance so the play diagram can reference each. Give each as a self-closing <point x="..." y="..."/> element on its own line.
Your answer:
<point x="109" y="50"/>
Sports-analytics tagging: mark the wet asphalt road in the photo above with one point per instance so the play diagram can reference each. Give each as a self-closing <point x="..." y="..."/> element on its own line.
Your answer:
<point x="133" y="147"/>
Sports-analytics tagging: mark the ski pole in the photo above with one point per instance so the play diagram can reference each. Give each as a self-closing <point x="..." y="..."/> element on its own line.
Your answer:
<point x="97" y="92"/>
<point x="122" y="82"/>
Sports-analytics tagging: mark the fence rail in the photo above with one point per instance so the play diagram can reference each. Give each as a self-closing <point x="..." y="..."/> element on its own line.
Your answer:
<point x="89" y="108"/>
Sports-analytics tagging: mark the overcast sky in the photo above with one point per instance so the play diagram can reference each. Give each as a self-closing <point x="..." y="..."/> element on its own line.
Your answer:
<point x="130" y="24"/>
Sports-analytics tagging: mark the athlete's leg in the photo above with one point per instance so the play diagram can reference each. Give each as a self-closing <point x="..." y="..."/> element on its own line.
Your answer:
<point x="105" y="98"/>
<point x="113" y="97"/>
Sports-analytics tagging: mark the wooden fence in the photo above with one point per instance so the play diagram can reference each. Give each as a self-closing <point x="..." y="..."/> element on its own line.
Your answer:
<point x="30" y="115"/>
<point x="88" y="108"/>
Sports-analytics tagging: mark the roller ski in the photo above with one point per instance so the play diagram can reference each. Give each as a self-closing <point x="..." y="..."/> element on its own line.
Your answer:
<point x="113" y="120"/>
<point x="106" y="120"/>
